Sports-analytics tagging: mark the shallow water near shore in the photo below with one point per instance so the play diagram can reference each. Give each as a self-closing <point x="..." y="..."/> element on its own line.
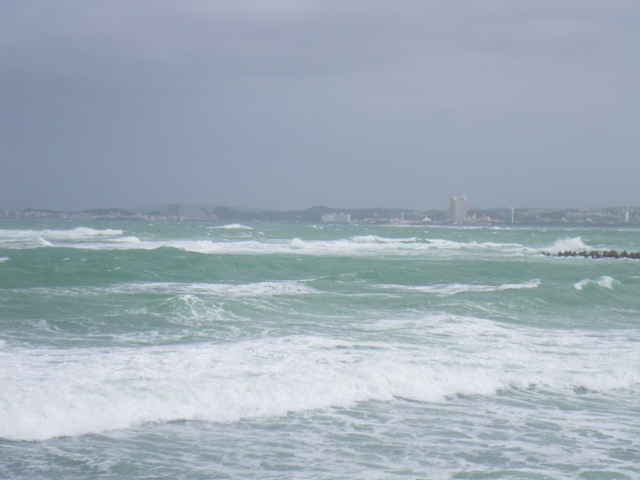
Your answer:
<point x="137" y="350"/>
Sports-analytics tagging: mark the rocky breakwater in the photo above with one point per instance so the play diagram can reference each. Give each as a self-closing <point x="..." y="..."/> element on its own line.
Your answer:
<point x="596" y="254"/>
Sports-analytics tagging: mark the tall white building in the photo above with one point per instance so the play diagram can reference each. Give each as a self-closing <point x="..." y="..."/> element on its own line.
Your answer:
<point x="458" y="210"/>
<point x="186" y="211"/>
<point x="336" y="218"/>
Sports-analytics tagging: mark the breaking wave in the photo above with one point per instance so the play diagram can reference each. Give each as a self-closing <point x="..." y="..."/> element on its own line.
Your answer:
<point x="456" y="288"/>
<point x="232" y="226"/>
<point x="563" y="244"/>
<point x="78" y="233"/>
<point x="604" y="282"/>
<point x="378" y="239"/>
<point x="355" y="246"/>
<point x="45" y="238"/>
<point x="84" y="391"/>
<point x="227" y="290"/>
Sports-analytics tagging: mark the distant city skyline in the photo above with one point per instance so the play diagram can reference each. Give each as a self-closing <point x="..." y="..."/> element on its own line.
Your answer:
<point x="444" y="207"/>
<point x="456" y="207"/>
<point x="287" y="105"/>
<point x="629" y="217"/>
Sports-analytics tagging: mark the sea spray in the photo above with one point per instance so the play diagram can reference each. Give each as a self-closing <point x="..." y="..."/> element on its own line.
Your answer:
<point x="605" y="282"/>
<point x="564" y="244"/>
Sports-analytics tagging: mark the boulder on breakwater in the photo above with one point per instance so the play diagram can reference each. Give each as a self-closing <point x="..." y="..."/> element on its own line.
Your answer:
<point x="596" y="254"/>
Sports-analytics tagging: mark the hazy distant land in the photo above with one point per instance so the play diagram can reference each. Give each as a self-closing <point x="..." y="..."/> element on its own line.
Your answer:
<point x="190" y="212"/>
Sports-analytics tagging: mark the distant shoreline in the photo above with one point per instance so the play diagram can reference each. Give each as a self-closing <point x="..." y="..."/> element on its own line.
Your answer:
<point x="618" y="217"/>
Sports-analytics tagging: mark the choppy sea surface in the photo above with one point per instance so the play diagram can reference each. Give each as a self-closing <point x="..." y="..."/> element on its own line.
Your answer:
<point x="199" y="351"/>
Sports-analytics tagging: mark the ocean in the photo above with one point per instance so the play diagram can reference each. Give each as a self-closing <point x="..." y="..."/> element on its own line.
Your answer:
<point x="207" y="351"/>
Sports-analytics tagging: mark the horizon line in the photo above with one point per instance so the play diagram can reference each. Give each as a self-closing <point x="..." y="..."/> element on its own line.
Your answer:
<point x="255" y="209"/>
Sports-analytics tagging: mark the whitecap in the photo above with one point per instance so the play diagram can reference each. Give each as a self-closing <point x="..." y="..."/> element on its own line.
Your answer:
<point x="83" y="232"/>
<point x="43" y="243"/>
<point x="232" y="226"/>
<point x="377" y="239"/>
<point x="95" y="391"/>
<point x="298" y="243"/>
<point x="456" y="288"/>
<point x="43" y="238"/>
<point x="567" y="244"/>
<point x="356" y="246"/>
<point x="4" y="259"/>
<point x="130" y="239"/>
<point x="604" y="282"/>
<point x="225" y="290"/>
<point x="90" y="390"/>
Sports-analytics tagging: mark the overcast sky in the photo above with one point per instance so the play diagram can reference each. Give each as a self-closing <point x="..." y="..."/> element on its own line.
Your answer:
<point x="287" y="104"/>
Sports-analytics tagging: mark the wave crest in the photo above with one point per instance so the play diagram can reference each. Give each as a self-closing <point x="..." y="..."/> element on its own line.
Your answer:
<point x="232" y="226"/>
<point x="96" y="390"/>
<point x="456" y="288"/>
<point x="44" y="238"/>
<point x="563" y="244"/>
<point x="604" y="282"/>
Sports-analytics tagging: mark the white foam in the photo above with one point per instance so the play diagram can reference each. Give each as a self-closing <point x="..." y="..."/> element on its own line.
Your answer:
<point x="78" y="233"/>
<point x="84" y="232"/>
<point x="232" y="226"/>
<point x="4" y="259"/>
<point x="127" y="240"/>
<point x="378" y="239"/>
<point x="456" y="288"/>
<point x="258" y="289"/>
<point x="226" y="290"/>
<point x="43" y="243"/>
<point x="297" y="243"/>
<point x="364" y="245"/>
<point x="95" y="391"/>
<point x="567" y="244"/>
<point x="48" y="393"/>
<point x="604" y="282"/>
<point x="45" y="238"/>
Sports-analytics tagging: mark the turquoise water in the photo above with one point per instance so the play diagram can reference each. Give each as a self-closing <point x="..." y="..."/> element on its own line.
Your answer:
<point x="136" y="350"/>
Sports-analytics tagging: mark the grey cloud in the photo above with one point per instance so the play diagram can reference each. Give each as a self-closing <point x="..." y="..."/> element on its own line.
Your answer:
<point x="287" y="104"/>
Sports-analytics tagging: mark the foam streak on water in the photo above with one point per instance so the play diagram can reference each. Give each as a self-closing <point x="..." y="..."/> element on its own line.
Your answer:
<point x="293" y="351"/>
<point x="51" y="393"/>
